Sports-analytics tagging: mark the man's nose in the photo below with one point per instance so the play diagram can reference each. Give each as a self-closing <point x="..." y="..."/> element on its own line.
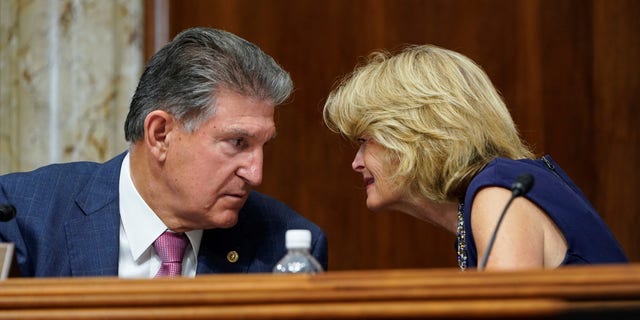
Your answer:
<point x="251" y="170"/>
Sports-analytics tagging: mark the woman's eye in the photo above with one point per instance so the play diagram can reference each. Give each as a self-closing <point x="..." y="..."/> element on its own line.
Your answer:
<point x="361" y="141"/>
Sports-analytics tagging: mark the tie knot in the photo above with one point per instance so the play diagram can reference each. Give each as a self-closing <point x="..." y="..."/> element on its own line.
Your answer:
<point x="171" y="246"/>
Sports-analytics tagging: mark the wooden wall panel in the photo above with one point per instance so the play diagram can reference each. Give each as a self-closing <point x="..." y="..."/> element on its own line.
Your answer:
<point x="567" y="69"/>
<point x="616" y="98"/>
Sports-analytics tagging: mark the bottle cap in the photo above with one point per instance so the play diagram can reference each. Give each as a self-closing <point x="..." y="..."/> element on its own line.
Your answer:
<point x="298" y="239"/>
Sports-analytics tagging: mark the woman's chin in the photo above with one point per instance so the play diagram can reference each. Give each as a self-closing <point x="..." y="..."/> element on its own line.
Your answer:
<point x="375" y="207"/>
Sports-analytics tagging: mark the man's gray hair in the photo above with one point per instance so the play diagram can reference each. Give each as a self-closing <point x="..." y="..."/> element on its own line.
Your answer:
<point x="185" y="75"/>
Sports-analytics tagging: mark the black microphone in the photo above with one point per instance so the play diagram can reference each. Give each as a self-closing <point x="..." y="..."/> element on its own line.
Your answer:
<point x="7" y="212"/>
<point x="519" y="188"/>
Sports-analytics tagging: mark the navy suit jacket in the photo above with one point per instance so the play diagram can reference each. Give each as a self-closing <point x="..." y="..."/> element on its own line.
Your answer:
<point x="68" y="222"/>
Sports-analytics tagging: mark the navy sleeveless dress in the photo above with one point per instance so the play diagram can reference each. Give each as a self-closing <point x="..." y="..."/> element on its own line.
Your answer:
<point x="589" y="240"/>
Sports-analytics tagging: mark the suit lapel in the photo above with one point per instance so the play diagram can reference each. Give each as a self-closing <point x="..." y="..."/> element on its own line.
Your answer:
<point x="228" y="250"/>
<point x="94" y="244"/>
<point x="93" y="237"/>
<point x="224" y="251"/>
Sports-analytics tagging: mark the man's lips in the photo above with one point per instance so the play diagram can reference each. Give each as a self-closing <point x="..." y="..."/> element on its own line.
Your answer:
<point x="237" y="195"/>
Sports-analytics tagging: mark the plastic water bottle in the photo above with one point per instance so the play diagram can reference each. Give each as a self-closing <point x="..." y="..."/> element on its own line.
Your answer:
<point x="298" y="259"/>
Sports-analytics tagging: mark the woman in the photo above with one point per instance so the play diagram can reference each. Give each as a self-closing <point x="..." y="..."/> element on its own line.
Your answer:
<point x="437" y="142"/>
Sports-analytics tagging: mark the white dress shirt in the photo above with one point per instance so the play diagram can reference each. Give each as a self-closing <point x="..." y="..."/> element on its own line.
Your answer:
<point x="139" y="228"/>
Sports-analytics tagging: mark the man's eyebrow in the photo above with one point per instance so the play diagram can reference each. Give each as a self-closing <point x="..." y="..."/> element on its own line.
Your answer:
<point x="238" y="132"/>
<point x="244" y="133"/>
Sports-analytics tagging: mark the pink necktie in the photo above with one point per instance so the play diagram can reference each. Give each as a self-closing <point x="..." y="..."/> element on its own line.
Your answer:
<point x="171" y="246"/>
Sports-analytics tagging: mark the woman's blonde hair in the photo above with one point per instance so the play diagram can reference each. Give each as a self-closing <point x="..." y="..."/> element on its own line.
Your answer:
<point x="434" y="110"/>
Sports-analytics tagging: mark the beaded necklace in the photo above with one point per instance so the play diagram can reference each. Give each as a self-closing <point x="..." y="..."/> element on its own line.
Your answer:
<point x="462" y="240"/>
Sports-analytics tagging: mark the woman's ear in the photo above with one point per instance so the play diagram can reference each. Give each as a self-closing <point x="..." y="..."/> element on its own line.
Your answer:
<point x="157" y="126"/>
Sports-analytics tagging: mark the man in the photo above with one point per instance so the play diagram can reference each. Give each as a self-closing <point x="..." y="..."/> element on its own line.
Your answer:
<point x="197" y="124"/>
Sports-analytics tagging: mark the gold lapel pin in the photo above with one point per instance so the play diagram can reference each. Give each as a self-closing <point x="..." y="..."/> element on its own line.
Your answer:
<point x="232" y="256"/>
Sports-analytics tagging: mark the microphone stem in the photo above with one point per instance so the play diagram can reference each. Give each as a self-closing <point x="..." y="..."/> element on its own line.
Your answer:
<point x="485" y="257"/>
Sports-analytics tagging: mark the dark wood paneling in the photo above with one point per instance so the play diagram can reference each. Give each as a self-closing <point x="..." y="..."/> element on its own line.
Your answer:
<point x="567" y="69"/>
<point x="156" y="26"/>
<point x="616" y="96"/>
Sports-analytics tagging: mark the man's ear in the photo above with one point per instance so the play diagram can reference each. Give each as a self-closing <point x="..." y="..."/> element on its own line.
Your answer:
<point x="157" y="126"/>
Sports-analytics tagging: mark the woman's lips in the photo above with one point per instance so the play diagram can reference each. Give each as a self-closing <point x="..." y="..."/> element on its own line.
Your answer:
<point x="368" y="181"/>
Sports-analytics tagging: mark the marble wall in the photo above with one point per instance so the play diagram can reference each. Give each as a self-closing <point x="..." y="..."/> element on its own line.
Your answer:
<point x="68" y="69"/>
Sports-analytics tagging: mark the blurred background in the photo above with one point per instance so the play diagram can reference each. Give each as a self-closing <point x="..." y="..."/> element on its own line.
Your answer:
<point x="569" y="71"/>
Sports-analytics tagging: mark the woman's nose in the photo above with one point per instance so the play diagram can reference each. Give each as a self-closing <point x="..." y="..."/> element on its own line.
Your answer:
<point x="357" y="164"/>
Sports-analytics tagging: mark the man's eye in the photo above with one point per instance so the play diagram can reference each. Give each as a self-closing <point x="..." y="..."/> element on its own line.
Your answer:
<point x="238" y="142"/>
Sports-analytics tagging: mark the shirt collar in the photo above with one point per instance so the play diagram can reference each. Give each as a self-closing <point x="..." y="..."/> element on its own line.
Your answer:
<point x="134" y="213"/>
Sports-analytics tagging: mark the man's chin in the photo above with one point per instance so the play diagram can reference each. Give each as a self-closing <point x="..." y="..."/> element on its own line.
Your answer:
<point x="223" y="220"/>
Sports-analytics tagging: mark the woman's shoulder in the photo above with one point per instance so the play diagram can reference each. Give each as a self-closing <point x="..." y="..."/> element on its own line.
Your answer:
<point x="508" y="165"/>
<point x="503" y="171"/>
